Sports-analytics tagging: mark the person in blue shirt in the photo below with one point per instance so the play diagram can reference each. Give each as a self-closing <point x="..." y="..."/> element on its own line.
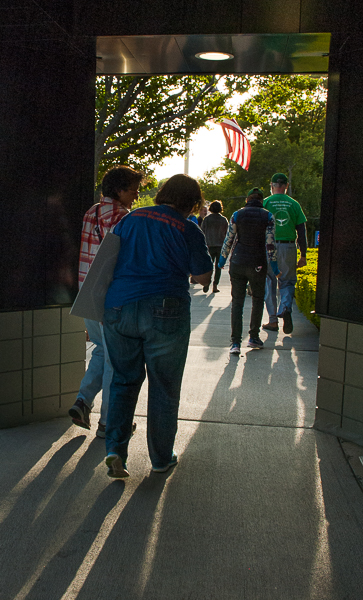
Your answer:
<point x="194" y="219"/>
<point x="251" y="232"/>
<point x="147" y="319"/>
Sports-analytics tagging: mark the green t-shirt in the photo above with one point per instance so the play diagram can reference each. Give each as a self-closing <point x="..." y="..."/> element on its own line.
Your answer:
<point x="287" y="213"/>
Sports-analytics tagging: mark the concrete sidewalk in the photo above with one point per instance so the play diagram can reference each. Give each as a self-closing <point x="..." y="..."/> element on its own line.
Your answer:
<point x="260" y="507"/>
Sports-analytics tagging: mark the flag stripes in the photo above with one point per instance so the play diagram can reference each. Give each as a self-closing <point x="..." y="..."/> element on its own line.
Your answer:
<point x="238" y="146"/>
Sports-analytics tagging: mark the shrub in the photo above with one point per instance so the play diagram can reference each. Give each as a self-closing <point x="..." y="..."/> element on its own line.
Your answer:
<point x="305" y="290"/>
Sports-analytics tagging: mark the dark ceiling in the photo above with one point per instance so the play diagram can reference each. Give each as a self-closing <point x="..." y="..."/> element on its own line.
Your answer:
<point x="253" y="54"/>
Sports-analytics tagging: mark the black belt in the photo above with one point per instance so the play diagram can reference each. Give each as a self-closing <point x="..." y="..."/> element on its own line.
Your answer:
<point x="285" y="241"/>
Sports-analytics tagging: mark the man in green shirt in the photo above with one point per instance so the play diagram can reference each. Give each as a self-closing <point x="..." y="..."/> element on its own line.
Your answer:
<point x="290" y="223"/>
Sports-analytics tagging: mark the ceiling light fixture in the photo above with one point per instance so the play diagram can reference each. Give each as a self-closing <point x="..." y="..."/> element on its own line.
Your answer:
<point x="214" y="55"/>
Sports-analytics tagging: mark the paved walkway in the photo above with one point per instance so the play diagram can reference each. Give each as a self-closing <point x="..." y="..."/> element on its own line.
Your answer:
<point x="260" y="506"/>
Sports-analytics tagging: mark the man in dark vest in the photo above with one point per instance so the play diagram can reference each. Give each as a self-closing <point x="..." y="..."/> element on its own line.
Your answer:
<point x="253" y="230"/>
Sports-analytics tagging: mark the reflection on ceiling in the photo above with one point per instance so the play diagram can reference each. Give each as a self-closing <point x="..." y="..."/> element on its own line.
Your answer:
<point x="252" y="54"/>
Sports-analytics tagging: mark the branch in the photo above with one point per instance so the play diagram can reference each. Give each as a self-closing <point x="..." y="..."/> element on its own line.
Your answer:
<point x="167" y="119"/>
<point x="103" y="111"/>
<point x="124" y="106"/>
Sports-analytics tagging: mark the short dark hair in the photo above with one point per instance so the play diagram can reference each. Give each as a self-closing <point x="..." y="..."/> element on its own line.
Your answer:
<point x="183" y="192"/>
<point x="119" y="178"/>
<point x="216" y="206"/>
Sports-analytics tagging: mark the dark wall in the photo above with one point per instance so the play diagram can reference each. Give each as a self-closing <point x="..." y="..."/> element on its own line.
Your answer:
<point x="46" y="157"/>
<point x="340" y="283"/>
<point x="171" y="17"/>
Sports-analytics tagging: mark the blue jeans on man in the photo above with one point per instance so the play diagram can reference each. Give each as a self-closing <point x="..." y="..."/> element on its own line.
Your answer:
<point x="149" y="336"/>
<point x="286" y="260"/>
<point x="99" y="372"/>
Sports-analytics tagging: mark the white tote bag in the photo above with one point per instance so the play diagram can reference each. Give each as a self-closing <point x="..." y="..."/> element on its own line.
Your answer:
<point x="90" y="300"/>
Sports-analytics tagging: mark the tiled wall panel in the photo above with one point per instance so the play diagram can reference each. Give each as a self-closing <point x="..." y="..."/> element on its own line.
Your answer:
<point x="42" y="362"/>
<point x="340" y="383"/>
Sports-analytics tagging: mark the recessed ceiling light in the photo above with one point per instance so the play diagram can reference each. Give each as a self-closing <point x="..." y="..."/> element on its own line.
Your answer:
<point x="214" y="55"/>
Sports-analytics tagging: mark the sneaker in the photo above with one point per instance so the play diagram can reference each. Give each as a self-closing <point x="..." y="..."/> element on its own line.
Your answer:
<point x="117" y="468"/>
<point x="206" y="288"/>
<point x="235" y="349"/>
<point x="255" y="343"/>
<point x="271" y="326"/>
<point x="215" y="290"/>
<point x="101" y="430"/>
<point x="174" y="460"/>
<point x="288" y="326"/>
<point x="79" y="414"/>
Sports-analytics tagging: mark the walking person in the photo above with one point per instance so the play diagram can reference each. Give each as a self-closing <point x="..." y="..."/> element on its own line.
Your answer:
<point x="202" y="214"/>
<point x="147" y="319"/>
<point x="120" y="189"/>
<point x="214" y="227"/>
<point x="254" y="229"/>
<point x="290" y="223"/>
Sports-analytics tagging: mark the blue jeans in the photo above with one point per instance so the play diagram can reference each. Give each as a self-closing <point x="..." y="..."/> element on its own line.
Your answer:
<point x="99" y="373"/>
<point x="286" y="260"/>
<point x="150" y="335"/>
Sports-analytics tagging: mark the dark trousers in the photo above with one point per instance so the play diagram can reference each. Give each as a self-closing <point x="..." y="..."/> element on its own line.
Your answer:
<point x="240" y="275"/>
<point x="215" y="252"/>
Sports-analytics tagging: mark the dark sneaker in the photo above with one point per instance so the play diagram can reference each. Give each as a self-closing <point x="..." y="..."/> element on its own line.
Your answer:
<point x="79" y="414"/>
<point x="215" y="290"/>
<point x="235" y="349"/>
<point x="288" y="326"/>
<point x="206" y="288"/>
<point x="101" y="430"/>
<point x="174" y="460"/>
<point x="271" y="326"/>
<point x="255" y="343"/>
<point x="117" y="468"/>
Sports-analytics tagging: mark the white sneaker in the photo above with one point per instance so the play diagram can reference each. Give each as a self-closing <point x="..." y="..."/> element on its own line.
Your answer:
<point x="117" y="467"/>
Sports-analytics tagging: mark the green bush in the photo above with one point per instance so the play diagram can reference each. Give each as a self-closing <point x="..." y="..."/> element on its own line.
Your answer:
<point x="305" y="290"/>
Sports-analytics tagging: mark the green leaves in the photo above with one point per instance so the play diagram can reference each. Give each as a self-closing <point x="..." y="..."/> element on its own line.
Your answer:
<point x="142" y="120"/>
<point x="297" y="99"/>
<point x="305" y="290"/>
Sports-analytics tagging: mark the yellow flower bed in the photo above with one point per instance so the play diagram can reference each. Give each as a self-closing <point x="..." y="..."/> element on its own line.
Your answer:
<point x="306" y="286"/>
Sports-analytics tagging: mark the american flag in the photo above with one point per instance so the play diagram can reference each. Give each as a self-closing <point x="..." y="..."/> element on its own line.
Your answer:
<point x="238" y="146"/>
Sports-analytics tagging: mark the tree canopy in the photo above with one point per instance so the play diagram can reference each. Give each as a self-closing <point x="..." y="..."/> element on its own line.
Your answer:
<point x="142" y="120"/>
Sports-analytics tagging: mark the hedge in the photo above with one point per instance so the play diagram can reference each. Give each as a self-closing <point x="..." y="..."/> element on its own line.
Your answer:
<point x="306" y="286"/>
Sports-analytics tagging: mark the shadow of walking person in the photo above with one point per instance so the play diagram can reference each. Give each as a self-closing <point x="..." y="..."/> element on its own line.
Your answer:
<point x="52" y="506"/>
<point x="127" y="553"/>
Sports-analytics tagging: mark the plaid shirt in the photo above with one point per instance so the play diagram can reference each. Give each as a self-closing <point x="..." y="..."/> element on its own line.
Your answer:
<point x="110" y="213"/>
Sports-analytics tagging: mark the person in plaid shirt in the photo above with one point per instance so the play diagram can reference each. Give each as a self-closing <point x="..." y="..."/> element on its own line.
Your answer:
<point x="120" y="187"/>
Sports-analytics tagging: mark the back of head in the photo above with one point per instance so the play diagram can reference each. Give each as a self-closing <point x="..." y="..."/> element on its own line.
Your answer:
<point x="255" y="194"/>
<point x="216" y="207"/>
<point x="183" y="192"/>
<point x="279" y="180"/>
<point x="119" y="178"/>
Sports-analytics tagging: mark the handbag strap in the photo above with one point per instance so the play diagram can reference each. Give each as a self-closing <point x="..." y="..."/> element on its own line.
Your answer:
<point x="97" y="228"/>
